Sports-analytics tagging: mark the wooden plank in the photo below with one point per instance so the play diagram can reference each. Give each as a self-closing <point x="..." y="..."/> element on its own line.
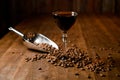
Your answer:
<point x="83" y="6"/>
<point x="108" y="6"/>
<point x="9" y="61"/>
<point x="90" y="6"/>
<point x="98" y="6"/>
<point x="5" y="43"/>
<point x="117" y="7"/>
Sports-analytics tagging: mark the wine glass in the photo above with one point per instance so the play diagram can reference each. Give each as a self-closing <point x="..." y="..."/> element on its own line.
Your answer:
<point x="64" y="20"/>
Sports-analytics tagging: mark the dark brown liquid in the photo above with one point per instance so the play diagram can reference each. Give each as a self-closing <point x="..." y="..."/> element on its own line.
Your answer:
<point x="64" y="20"/>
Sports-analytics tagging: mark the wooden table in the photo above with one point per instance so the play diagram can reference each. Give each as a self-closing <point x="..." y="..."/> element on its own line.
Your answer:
<point x="90" y="33"/>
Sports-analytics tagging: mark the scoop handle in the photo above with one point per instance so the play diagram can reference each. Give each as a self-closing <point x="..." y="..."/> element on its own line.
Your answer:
<point x="16" y="31"/>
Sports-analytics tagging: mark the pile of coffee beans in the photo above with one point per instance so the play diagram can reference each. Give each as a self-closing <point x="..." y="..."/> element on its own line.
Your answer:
<point x="74" y="57"/>
<point x="45" y="47"/>
<point x="30" y="36"/>
<point x="99" y="64"/>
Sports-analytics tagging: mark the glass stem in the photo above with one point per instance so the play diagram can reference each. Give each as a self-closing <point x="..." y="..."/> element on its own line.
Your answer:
<point x="64" y="39"/>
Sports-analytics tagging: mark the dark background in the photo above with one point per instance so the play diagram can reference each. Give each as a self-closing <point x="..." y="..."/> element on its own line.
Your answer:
<point x="12" y="12"/>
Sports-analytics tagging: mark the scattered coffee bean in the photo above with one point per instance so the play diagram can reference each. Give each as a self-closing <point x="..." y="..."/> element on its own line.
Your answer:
<point x="102" y="75"/>
<point x="83" y="69"/>
<point x="39" y="58"/>
<point x="97" y="56"/>
<point x="111" y="48"/>
<point x="108" y="69"/>
<point x="34" y="59"/>
<point x="13" y="52"/>
<point x="77" y="74"/>
<point x="118" y="51"/>
<point x="55" y="64"/>
<point x="118" y="75"/>
<point x="102" y="49"/>
<point x="89" y="77"/>
<point x="40" y="69"/>
<point x="62" y="65"/>
<point x="27" y="59"/>
<point x="93" y="47"/>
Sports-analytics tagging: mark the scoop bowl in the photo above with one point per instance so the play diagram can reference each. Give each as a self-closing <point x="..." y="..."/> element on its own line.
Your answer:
<point x="32" y="42"/>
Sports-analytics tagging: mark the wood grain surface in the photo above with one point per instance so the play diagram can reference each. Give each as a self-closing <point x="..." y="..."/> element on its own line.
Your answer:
<point x="90" y="33"/>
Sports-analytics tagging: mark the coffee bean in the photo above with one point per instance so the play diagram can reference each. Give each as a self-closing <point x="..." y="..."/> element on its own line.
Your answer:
<point x="62" y="65"/>
<point x="89" y="77"/>
<point x="35" y="58"/>
<point x="118" y="51"/>
<point x="108" y="69"/>
<point x="55" y="64"/>
<point x="13" y="52"/>
<point x="27" y="59"/>
<point x="77" y="74"/>
<point x="39" y="58"/>
<point x="97" y="56"/>
<point x="118" y="75"/>
<point x="93" y="47"/>
<point x="110" y="48"/>
<point x="83" y="69"/>
<point x="102" y="75"/>
<point x="40" y="69"/>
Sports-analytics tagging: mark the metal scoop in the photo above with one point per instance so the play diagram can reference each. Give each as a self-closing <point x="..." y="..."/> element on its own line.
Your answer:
<point x="32" y="42"/>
